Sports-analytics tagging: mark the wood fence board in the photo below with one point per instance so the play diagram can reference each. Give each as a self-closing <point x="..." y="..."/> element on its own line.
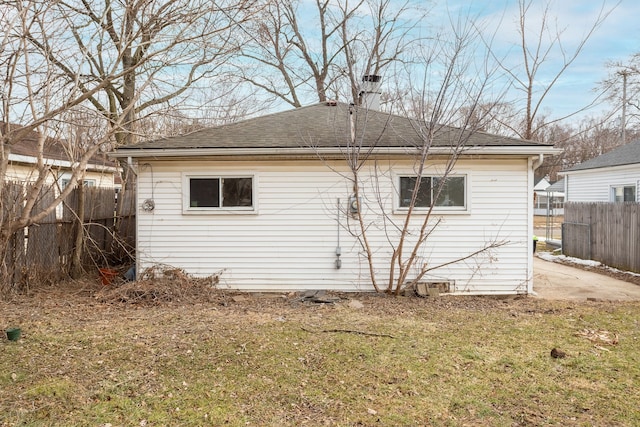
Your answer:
<point x="14" y="262"/>
<point x="50" y="244"/>
<point x="99" y="219"/>
<point x="614" y="233"/>
<point x="42" y="242"/>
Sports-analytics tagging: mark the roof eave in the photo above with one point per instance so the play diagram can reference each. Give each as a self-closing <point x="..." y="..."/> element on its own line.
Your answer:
<point x="587" y="169"/>
<point x="57" y="163"/>
<point x="315" y="152"/>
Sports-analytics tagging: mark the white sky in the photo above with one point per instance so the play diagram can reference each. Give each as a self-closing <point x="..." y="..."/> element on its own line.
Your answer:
<point x="614" y="41"/>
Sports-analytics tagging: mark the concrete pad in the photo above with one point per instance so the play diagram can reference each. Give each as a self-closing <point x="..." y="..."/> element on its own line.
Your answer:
<point x="552" y="280"/>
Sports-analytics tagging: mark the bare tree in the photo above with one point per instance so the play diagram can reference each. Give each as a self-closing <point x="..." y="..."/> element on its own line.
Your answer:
<point x="453" y="90"/>
<point x="296" y="52"/>
<point x="622" y="88"/>
<point x="116" y="61"/>
<point x="33" y="96"/>
<point x="167" y="47"/>
<point x="538" y="46"/>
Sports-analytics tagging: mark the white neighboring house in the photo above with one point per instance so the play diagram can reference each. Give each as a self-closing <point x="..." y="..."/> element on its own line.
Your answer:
<point x="100" y="171"/>
<point x="549" y="198"/>
<point x="267" y="202"/>
<point x="610" y="177"/>
<point x="539" y="195"/>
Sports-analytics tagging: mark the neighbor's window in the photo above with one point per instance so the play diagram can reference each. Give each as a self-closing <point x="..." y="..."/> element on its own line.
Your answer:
<point x="87" y="183"/>
<point x="221" y="192"/>
<point x="447" y="192"/>
<point x="625" y="193"/>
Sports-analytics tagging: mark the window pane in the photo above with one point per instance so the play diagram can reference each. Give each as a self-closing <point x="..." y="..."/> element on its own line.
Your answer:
<point x="407" y="185"/>
<point x="452" y="191"/>
<point x="237" y="192"/>
<point x="629" y="194"/>
<point x="204" y="192"/>
<point x="617" y="194"/>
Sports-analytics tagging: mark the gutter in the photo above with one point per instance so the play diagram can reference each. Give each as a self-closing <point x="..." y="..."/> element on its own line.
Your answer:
<point x="31" y="160"/>
<point x="313" y="152"/>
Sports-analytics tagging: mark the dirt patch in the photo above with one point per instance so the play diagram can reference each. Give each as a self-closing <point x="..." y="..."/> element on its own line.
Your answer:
<point x="81" y="301"/>
<point x="541" y="220"/>
<point x="90" y="295"/>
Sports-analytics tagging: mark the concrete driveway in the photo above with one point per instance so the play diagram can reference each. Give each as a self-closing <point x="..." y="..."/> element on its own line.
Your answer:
<point x="552" y="280"/>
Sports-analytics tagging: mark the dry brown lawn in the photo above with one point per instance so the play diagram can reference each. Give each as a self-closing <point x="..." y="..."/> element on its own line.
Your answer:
<point x="188" y="357"/>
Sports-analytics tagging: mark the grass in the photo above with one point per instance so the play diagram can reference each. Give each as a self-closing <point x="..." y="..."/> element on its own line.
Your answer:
<point x="274" y="362"/>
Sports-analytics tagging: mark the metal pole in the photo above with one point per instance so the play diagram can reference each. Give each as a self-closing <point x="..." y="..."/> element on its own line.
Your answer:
<point x="624" y="106"/>
<point x="548" y="222"/>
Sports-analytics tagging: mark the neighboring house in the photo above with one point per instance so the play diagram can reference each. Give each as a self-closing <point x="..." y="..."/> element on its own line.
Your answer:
<point x="541" y="184"/>
<point x="101" y="171"/>
<point x="610" y="177"/>
<point x="549" y="198"/>
<point x="539" y="187"/>
<point x="267" y="203"/>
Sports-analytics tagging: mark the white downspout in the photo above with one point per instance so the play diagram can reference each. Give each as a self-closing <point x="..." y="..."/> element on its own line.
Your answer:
<point x="535" y="164"/>
<point x="538" y="162"/>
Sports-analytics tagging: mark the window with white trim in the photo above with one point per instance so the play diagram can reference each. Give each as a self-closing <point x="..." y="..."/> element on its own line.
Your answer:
<point x="87" y="182"/>
<point x="211" y="193"/>
<point x="623" y="193"/>
<point x="447" y="193"/>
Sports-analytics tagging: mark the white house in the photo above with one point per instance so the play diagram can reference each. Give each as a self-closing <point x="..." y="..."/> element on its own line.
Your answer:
<point x="23" y="157"/>
<point x="549" y="198"/>
<point x="539" y="193"/>
<point x="267" y="203"/>
<point x="610" y="177"/>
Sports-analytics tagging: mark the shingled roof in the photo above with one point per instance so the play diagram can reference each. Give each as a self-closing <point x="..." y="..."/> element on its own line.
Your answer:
<point x="323" y="125"/>
<point x="27" y="149"/>
<point x="627" y="154"/>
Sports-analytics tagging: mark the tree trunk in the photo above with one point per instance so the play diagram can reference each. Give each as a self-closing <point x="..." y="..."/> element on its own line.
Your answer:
<point x="76" y="260"/>
<point x="5" y="283"/>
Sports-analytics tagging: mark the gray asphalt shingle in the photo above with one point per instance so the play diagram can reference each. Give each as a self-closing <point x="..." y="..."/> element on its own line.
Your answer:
<point x="322" y="126"/>
<point x="627" y="154"/>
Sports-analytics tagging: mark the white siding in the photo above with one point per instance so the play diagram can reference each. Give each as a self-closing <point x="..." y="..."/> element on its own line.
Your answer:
<point x="594" y="185"/>
<point x="27" y="173"/>
<point x="290" y="242"/>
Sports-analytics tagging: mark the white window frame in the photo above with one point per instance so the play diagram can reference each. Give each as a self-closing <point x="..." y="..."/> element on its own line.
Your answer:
<point x="449" y="210"/>
<point x="613" y="189"/>
<point x="63" y="181"/>
<point x="208" y="210"/>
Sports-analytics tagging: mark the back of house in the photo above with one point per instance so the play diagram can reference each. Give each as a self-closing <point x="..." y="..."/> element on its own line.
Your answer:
<point x="322" y="197"/>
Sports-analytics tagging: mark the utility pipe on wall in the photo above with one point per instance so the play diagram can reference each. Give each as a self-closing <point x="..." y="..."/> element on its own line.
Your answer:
<point x="338" y="248"/>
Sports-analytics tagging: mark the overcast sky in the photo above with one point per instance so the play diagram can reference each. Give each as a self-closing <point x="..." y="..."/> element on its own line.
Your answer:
<point x="614" y="41"/>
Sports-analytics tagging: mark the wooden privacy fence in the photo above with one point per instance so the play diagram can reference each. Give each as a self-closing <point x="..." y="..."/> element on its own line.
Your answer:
<point x="605" y="232"/>
<point x="43" y="251"/>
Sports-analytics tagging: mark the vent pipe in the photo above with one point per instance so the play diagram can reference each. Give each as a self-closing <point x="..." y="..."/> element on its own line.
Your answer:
<point x="370" y="92"/>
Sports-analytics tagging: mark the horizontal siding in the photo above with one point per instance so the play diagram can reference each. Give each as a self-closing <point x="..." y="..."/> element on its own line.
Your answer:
<point x="594" y="185"/>
<point x="290" y="243"/>
<point x="24" y="173"/>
